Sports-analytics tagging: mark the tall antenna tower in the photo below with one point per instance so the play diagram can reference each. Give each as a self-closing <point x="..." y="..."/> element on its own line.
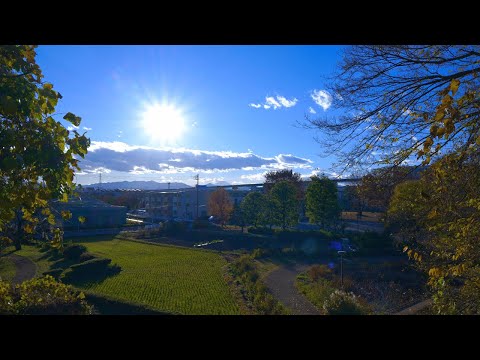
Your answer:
<point x="100" y="180"/>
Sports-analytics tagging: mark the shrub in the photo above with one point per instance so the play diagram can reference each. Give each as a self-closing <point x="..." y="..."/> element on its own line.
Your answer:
<point x="73" y="252"/>
<point x="201" y="224"/>
<point x="260" y="231"/>
<point x="370" y="240"/>
<point x="253" y="289"/>
<point x="318" y="271"/>
<point x="42" y="296"/>
<point x="86" y="256"/>
<point x="343" y="303"/>
<point x="93" y="269"/>
<point x="4" y="242"/>
<point x="258" y="253"/>
<point x="55" y="273"/>
<point x="173" y="227"/>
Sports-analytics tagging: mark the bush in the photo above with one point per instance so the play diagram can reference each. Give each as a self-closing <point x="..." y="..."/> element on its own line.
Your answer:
<point x="318" y="271"/>
<point x="42" y="296"/>
<point x="93" y="269"/>
<point x="73" y="252"/>
<point x="343" y="303"/>
<point x="372" y="242"/>
<point x="201" y="224"/>
<point x="173" y="227"/>
<point x="259" y="253"/>
<point x="87" y="256"/>
<point x="260" y="231"/>
<point x="253" y="289"/>
<point x="55" y="273"/>
<point x="5" y="242"/>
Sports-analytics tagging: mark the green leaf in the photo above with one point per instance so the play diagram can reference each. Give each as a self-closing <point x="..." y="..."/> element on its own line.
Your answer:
<point x="51" y="219"/>
<point x="75" y="120"/>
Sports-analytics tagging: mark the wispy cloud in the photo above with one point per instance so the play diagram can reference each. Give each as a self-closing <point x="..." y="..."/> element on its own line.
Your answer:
<point x="275" y="102"/>
<point x="72" y="127"/>
<point x="322" y="98"/>
<point x="311" y="110"/>
<point x="287" y="103"/>
<point x="259" y="177"/>
<point x="87" y="128"/>
<point x="270" y="100"/>
<point x="119" y="156"/>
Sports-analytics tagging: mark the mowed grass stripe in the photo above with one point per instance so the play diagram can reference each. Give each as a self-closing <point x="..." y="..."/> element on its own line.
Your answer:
<point x="168" y="278"/>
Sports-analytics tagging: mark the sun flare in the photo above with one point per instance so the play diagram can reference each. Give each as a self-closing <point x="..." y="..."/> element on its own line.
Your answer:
<point x="163" y="122"/>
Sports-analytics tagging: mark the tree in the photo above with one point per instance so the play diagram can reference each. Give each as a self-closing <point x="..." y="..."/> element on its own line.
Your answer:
<point x="38" y="155"/>
<point x="220" y="205"/>
<point x="403" y="101"/>
<point x="351" y="199"/>
<point x="376" y="188"/>
<point x="322" y="201"/>
<point x="252" y="206"/>
<point x="444" y="242"/>
<point x="408" y="211"/>
<point x="42" y="296"/>
<point x="238" y="217"/>
<point x="420" y="103"/>
<point x="274" y="177"/>
<point x="285" y="204"/>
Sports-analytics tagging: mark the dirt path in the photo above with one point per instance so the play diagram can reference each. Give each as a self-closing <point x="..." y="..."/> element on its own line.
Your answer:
<point x="412" y="310"/>
<point x="281" y="283"/>
<point x="26" y="269"/>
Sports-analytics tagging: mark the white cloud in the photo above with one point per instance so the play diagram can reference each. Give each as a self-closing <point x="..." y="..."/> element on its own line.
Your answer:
<point x="311" y="110"/>
<point x="119" y="156"/>
<point x="280" y="102"/>
<point x="87" y="128"/>
<point x="260" y="177"/>
<point x="270" y="100"/>
<point x="322" y="98"/>
<point x="72" y="127"/>
<point x="287" y="103"/>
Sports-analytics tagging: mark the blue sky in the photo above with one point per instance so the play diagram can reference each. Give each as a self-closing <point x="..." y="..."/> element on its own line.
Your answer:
<point x="165" y="113"/>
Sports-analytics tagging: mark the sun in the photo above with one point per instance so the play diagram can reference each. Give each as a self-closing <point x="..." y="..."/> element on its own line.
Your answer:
<point x="164" y="122"/>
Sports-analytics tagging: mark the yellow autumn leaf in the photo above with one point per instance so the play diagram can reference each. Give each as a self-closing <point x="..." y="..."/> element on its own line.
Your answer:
<point x="454" y="84"/>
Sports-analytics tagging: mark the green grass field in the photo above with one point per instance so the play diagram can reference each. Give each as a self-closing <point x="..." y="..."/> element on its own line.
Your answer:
<point x="7" y="269"/>
<point x="168" y="278"/>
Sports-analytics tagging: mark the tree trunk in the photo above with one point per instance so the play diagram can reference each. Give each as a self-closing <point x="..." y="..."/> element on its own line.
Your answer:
<point x="19" y="235"/>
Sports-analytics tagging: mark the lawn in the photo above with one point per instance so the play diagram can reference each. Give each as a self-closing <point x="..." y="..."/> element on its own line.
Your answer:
<point x="168" y="278"/>
<point x="7" y="269"/>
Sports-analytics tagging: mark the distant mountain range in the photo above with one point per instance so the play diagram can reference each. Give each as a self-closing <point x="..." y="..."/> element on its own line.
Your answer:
<point x="142" y="185"/>
<point x="219" y="183"/>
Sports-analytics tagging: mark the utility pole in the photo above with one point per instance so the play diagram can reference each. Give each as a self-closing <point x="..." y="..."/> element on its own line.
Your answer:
<point x="341" y="252"/>
<point x="197" y="177"/>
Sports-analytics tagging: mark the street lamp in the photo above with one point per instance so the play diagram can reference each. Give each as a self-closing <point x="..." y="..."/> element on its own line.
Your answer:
<point x="341" y="252"/>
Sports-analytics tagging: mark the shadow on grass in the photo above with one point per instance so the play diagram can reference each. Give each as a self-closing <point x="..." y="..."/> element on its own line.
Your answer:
<point x="88" y="279"/>
<point x="11" y="251"/>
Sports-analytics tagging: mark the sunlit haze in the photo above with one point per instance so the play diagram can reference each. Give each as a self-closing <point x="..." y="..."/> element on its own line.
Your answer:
<point x="166" y="113"/>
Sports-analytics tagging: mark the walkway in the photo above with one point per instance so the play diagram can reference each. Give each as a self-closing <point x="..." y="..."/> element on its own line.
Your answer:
<point x="281" y="283"/>
<point x="26" y="269"/>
